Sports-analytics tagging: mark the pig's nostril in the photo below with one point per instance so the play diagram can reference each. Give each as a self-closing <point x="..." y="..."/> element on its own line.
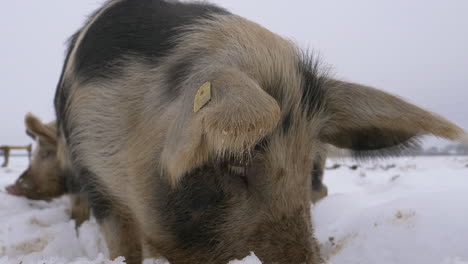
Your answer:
<point x="13" y="190"/>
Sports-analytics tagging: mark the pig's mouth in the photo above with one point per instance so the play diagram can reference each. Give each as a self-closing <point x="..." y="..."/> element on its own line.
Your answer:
<point x="13" y="190"/>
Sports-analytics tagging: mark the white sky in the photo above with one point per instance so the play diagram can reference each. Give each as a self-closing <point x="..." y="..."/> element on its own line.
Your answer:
<point x="417" y="49"/>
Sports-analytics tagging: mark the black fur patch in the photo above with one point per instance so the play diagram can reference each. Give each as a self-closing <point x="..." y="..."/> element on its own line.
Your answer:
<point x="286" y="124"/>
<point x="373" y="142"/>
<point x="193" y="210"/>
<point x="59" y="103"/>
<point x="143" y="28"/>
<point x="61" y="93"/>
<point x="179" y="72"/>
<point x="72" y="183"/>
<point x="312" y="84"/>
<point x="99" y="198"/>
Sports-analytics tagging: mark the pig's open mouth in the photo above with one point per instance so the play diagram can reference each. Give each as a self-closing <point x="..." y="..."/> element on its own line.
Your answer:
<point x="13" y="190"/>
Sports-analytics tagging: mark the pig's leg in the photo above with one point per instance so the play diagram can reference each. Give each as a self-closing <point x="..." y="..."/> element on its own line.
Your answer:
<point x="122" y="238"/>
<point x="115" y="220"/>
<point x="80" y="208"/>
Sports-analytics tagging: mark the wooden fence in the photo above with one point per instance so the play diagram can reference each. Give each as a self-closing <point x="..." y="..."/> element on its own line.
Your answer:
<point x="7" y="151"/>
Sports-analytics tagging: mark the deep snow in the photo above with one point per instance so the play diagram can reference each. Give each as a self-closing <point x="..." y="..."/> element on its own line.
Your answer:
<point x="405" y="211"/>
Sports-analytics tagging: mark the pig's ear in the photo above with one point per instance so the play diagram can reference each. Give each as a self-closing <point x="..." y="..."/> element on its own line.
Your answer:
<point x="36" y="128"/>
<point x="31" y="135"/>
<point x="228" y="114"/>
<point x="371" y="122"/>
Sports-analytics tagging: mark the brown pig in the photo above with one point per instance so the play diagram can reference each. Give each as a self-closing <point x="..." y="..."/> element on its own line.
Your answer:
<point x="45" y="179"/>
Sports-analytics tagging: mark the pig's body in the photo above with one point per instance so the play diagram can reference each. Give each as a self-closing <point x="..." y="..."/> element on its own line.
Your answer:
<point x="208" y="184"/>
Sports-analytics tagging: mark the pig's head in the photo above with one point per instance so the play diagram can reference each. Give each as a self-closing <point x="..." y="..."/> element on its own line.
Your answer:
<point x="42" y="180"/>
<point x="241" y="165"/>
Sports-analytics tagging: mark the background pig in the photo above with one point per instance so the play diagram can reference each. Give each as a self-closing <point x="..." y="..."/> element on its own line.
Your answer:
<point x="42" y="180"/>
<point x="45" y="179"/>
<point x="195" y="131"/>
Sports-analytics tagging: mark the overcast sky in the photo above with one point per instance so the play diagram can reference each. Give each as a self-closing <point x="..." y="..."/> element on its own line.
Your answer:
<point x="417" y="49"/>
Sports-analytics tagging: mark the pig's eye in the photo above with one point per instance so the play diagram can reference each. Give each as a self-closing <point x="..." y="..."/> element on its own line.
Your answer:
<point x="45" y="154"/>
<point x="262" y="145"/>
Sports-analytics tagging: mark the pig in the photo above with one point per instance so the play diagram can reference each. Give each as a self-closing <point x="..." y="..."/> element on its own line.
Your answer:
<point x="42" y="180"/>
<point x="45" y="177"/>
<point x="194" y="131"/>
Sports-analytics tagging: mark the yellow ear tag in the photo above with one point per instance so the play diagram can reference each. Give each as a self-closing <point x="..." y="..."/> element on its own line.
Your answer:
<point x="202" y="97"/>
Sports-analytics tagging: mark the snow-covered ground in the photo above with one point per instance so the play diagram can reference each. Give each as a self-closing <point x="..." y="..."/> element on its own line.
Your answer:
<point x="405" y="211"/>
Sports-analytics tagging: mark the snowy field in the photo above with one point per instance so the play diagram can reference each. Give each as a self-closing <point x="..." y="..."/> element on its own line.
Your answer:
<point x="398" y="211"/>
